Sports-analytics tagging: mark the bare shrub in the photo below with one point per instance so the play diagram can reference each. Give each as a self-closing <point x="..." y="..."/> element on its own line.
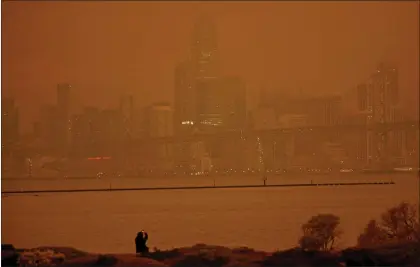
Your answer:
<point x="202" y="261"/>
<point x="372" y="235"/>
<point x="106" y="260"/>
<point x="320" y="233"/>
<point x="397" y="224"/>
<point x="161" y="255"/>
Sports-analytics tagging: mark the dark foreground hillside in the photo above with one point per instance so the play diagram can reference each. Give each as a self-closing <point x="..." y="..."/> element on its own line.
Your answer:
<point x="213" y="256"/>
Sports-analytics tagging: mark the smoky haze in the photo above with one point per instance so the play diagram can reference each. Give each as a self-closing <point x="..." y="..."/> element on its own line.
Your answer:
<point x="226" y="123"/>
<point x="105" y="49"/>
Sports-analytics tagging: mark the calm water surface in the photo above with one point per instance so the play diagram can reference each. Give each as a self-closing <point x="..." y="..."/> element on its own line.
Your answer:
<point x="262" y="218"/>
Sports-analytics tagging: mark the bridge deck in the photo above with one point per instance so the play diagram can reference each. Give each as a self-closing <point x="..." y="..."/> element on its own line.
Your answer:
<point x="249" y="133"/>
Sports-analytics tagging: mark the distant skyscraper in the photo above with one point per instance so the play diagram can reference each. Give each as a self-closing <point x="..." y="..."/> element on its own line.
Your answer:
<point x="63" y="97"/>
<point x="185" y="98"/>
<point x="160" y="120"/>
<point x="204" y="48"/>
<point x="209" y="104"/>
<point x="323" y="110"/>
<point x="191" y="77"/>
<point x="79" y="135"/>
<point x="112" y="130"/>
<point x="204" y="100"/>
<point x="9" y="124"/>
<point x="96" y="133"/>
<point x="234" y="102"/>
<point x="362" y="97"/>
<point x="126" y="109"/>
<point x="49" y="128"/>
<point x="221" y="103"/>
<point x="63" y="113"/>
<point x="93" y="130"/>
<point x="160" y="117"/>
<point x="208" y="87"/>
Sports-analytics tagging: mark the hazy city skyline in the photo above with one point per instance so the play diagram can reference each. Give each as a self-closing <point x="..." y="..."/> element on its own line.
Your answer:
<point x="222" y="123"/>
<point x="106" y="49"/>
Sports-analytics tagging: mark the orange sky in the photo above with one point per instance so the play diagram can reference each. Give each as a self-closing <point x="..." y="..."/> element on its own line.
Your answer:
<point x="108" y="48"/>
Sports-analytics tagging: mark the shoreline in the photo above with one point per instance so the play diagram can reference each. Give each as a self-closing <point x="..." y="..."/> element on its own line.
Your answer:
<point x="248" y="175"/>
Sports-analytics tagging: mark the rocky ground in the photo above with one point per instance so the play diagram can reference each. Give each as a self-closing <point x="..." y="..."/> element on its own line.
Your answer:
<point x="212" y="256"/>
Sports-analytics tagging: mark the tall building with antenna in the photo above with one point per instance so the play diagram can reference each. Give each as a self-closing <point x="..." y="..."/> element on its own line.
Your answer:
<point x="196" y="78"/>
<point x="185" y="98"/>
<point x="206" y="101"/>
<point x="203" y="52"/>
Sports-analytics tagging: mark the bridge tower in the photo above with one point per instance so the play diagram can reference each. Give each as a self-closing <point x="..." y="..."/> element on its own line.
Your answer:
<point x="378" y="98"/>
<point x="126" y="112"/>
<point x="385" y="92"/>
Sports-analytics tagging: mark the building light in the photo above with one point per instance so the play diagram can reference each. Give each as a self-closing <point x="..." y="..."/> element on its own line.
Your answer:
<point x="98" y="158"/>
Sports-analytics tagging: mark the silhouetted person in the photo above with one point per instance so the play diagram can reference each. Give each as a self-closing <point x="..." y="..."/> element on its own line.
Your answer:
<point x="141" y="240"/>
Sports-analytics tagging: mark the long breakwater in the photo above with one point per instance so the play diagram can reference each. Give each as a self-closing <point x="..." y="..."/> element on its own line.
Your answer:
<point x="110" y="188"/>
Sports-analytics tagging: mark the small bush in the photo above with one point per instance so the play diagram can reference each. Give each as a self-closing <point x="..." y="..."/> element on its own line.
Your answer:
<point x="161" y="255"/>
<point x="397" y="224"/>
<point x="243" y="250"/>
<point x="299" y="257"/>
<point x="372" y="235"/>
<point x="202" y="261"/>
<point x="106" y="260"/>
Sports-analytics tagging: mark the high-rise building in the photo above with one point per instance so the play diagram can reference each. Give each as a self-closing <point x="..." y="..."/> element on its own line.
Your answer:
<point x="362" y="97"/>
<point x="63" y="97"/>
<point x="185" y="98"/>
<point x="209" y="104"/>
<point x="196" y="79"/>
<point x="264" y="118"/>
<point x="79" y="135"/>
<point x="204" y="101"/>
<point x="97" y="133"/>
<point x="221" y="104"/>
<point x="9" y="124"/>
<point x="63" y="120"/>
<point x="111" y="131"/>
<point x="209" y="110"/>
<point x="233" y="96"/>
<point x="49" y="128"/>
<point x="160" y="120"/>
<point x="126" y="109"/>
<point x="91" y="116"/>
<point x="204" y="48"/>
<point x="322" y="111"/>
<point x="160" y="124"/>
